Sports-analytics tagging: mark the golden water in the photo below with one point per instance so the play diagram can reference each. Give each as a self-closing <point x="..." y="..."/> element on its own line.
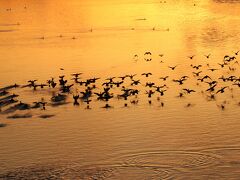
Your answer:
<point x="100" y="38"/>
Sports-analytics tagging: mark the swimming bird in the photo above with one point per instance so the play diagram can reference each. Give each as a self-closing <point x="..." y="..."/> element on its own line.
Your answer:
<point x="107" y="106"/>
<point x="180" y="95"/>
<point x="212" y="69"/>
<point x="191" y="57"/>
<point x="222" y="65"/>
<point x="236" y="53"/>
<point x="189" y="105"/>
<point x="221" y="106"/>
<point x="207" y="56"/>
<point x="135" y="57"/>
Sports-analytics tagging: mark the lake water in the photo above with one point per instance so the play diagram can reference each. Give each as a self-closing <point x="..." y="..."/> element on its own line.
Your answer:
<point x="193" y="137"/>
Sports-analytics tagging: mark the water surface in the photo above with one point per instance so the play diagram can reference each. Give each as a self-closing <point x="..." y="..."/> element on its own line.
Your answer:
<point x="100" y="38"/>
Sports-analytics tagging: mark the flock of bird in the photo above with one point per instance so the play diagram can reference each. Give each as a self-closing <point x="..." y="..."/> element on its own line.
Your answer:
<point x="128" y="88"/>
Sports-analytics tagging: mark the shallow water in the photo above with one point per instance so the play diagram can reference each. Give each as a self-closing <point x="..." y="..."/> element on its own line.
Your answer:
<point x="100" y="39"/>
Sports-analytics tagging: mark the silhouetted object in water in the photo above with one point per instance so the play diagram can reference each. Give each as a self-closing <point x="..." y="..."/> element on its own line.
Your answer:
<point x="76" y="103"/>
<point x="162" y="104"/>
<point x="128" y="86"/>
<point x="180" y="95"/>
<point x="2" y="125"/>
<point x="7" y="102"/>
<point x="3" y="93"/>
<point x="191" y="57"/>
<point x="107" y="106"/>
<point x="148" y="59"/>
<point x="9" y="87"/>
<point x="8" y="97"/>
<point x="207" y="56"/>
<point x="221" y="106"/>
<point x="20" y="116"/>
<point x="189" y="105"/>
<point x="46" y="116"/>
<point x="58" y="98"/>
<point x="212" y="69"/>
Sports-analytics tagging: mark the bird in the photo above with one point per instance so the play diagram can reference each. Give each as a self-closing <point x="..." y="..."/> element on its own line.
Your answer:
<point x="207" y="56"/>
<point x="191" y="57"/>
<point x="147" y="53"/>
<point x="148" y="59"/>
<point x="236" y="53"/>
<point x="135" y="82"/>
<point x="150" y="93"/>
<point x="211" y="88"/>
<point x="189" y="91"/>
<point x="146" y="74"/>
<point x="197" y="66"/>
<point x="164" y="78"/>
<point x="212" y="69"/>
<point x="205" y="77"/>
<point x="180" y="81"/>
<point x="172" y="67"/>
<point x="149" y="84"/>
<point x="131" y="76"/>
<point x="221" y="90"/>
<point x="197" y="73"/>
